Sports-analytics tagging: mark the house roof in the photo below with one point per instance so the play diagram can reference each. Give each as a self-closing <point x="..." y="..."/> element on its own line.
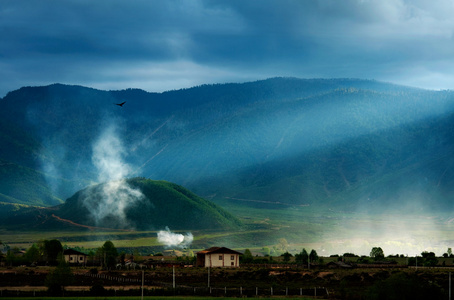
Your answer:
<point x="72" y="252"/>
<point x="339" y="264"/>
<point x="219" y="250"/>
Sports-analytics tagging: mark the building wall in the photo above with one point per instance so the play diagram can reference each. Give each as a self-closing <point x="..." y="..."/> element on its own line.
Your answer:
<point x="222" y="260"/>
<point x="74" y="258"/>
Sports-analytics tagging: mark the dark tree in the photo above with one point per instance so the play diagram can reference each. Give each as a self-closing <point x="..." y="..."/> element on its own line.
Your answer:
<point x="377" y="253"/>
<point x="247" y="256"/>
<point x="60" y="277"/>
<point x="109" y="254"/>
<point x="123" y="258"/>
<point x="52" y="249"/>
<point x="302" y="257"/>
<point x="429" y="259"/>
<point x="10" y="257"/>
<point x="313" y="256"/>
<point x="287" y="256"/>
<point x="32" y="255"/>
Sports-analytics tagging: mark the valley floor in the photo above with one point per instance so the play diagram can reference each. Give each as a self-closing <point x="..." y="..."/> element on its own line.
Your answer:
<point x="291" y="229"/>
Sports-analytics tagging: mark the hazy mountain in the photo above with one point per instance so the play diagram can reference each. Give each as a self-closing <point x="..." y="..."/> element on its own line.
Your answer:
<point x="342" y="142"/>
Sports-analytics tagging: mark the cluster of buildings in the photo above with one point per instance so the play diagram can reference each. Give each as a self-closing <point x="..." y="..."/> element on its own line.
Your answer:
<point x="212" y="257"/>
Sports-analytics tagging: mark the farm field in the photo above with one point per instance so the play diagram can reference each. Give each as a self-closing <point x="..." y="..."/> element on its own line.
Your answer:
<point x="285" y="229"/>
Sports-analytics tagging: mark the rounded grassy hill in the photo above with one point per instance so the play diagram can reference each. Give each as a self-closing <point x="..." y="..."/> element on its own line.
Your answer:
<point x="144" y="204"/>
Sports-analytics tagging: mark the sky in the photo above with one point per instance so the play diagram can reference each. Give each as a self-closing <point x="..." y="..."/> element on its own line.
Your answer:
<point x="159" y="45"/>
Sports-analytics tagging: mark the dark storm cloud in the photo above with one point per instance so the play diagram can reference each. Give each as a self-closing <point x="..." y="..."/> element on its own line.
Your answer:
<point x="158" y="45"/>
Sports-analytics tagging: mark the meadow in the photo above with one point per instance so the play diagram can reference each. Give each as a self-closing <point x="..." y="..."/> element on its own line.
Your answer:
<point x="279" y="229"/>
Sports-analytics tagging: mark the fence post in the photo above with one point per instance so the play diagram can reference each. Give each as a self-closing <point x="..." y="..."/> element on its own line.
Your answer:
<point x="143" y="282"/>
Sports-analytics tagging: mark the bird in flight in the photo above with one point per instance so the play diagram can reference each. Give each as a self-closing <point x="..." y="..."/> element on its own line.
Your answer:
<point x="120" y="104"/>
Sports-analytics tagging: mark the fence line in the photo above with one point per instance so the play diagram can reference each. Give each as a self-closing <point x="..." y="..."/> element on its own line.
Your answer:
<point x="113" y="278"/>
<point x="185" y="291"/>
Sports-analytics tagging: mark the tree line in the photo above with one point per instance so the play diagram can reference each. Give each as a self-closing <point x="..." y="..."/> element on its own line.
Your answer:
<point x="50" y="252"/>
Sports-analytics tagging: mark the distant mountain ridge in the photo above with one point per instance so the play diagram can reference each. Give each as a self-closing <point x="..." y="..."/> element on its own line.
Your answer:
<point x="343" y="142"/>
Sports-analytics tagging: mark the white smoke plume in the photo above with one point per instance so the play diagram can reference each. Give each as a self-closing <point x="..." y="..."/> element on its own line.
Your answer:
<point x="108" y="158"/>
<point x="108" y="153"/>
<point x="171" y="239"/>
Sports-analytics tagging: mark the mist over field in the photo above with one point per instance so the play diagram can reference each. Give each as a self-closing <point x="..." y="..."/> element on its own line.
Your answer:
<point x="323" y="124"/>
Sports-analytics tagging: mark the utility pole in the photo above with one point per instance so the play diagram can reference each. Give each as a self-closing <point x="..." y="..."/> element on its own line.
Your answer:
<point x="143" y="276"/>
<point x="208" y="276"/>
<point x="449" y="285"/>
<point x="173" y="277"/>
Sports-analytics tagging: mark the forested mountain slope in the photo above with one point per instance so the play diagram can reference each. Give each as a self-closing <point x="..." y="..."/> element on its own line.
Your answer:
<point x="293" y="141"/>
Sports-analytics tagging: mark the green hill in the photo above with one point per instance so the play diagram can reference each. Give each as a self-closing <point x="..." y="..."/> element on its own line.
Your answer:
<point x="144" y="204"/>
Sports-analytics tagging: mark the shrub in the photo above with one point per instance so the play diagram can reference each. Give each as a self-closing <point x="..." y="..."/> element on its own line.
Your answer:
<point x="404" y="286"/>
<point x="60" y="277"/>
<point x="97" y="290"/>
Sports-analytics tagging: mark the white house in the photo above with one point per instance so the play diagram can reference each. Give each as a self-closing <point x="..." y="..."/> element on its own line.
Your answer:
<point x="75" y="257"/>
<point x="218" y="257"/>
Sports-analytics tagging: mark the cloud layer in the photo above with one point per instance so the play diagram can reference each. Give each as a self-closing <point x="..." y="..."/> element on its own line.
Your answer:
<point x="169" y="44"/>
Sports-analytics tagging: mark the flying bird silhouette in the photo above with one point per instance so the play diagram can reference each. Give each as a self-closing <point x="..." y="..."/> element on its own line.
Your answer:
<point x="120" y="104"/>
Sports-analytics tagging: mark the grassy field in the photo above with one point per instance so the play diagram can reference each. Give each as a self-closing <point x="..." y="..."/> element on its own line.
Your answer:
<point x="285" y="229"/>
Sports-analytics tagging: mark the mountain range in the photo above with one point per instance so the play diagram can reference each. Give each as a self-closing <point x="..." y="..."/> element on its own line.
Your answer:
<point x="345" y="143"/>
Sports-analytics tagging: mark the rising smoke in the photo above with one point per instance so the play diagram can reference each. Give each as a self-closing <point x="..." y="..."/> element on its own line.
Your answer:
<point x="109" y="159"/>
<point x="172" y="240"/>
<point x="108" y="156"/>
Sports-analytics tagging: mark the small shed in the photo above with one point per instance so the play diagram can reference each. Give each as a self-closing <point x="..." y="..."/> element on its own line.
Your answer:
<point x="218" y="257"/>
<point x="338" y="265"/>
<point x="74" y="257"/>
